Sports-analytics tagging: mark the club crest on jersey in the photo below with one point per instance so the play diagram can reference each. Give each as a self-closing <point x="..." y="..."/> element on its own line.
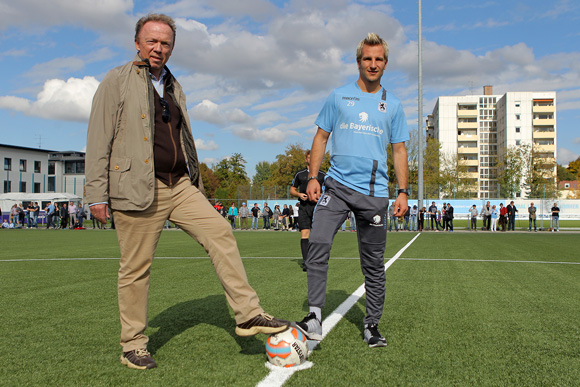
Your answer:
<point x="382" y="106"/>
<point x="324" y="200"/>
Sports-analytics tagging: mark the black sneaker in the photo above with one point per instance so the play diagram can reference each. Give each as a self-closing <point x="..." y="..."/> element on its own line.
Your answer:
<point x="310" y="326"/>
<point x="262" y="323"/>
<point x="139" y="359"/>
<point x="373" y="336"/>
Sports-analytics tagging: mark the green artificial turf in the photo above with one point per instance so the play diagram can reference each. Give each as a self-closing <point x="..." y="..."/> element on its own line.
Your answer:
<point x="461" y="309"/>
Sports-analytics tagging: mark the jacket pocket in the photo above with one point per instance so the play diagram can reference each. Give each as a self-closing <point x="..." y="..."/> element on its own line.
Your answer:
<point x="119" y="169"/>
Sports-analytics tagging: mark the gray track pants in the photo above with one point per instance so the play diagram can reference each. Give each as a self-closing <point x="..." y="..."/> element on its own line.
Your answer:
<point x="371" y="220"/>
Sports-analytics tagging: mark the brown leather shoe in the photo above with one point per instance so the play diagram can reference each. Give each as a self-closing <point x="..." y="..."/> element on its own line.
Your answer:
<point x="139" y="359"/>
<point x="262" y="323"/>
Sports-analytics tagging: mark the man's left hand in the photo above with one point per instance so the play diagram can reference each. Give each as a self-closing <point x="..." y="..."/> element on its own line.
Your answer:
<point x="401" y="205"/>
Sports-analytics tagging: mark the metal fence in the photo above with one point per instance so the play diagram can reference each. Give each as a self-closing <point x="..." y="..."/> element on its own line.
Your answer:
<point x="261" y="193"/>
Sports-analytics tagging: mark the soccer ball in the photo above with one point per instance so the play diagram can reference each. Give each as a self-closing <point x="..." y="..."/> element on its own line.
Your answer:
<point x="287" y="348"/>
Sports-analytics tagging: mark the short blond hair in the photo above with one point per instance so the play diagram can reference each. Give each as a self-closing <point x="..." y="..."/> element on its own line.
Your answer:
<point x="372" y="39"/>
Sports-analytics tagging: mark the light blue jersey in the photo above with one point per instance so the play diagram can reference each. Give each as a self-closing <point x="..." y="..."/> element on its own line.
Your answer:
<point x="362" y="126"/>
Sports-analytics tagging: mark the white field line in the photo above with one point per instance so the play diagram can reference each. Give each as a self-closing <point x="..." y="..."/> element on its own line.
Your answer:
<point x="278" y="375"/>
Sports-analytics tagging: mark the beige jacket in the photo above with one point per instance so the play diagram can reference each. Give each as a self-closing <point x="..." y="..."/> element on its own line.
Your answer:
<point x="119" y="159"/>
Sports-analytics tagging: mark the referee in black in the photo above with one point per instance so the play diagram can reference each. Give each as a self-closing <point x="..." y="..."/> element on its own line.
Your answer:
<point x="306" y="208"/>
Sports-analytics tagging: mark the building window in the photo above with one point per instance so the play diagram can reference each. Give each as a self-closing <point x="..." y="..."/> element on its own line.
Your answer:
<point x="22" y="165"/>
<point x="37" y="166"/>
<point x="517" y="104"/>
<point x="51" y="184"/>
<point x="74" y="167"/>
<point x="7" y="164"/>
<point x="566" y="185"/>
<point x="518" y="142"/>
<point x="7" y="186"/>
<point x="37" y="188"/>
<point x="22" y="186"/>
<point x="518" y="130"/>
<point x="51" y="168"/>
<point x="517" y="116"/>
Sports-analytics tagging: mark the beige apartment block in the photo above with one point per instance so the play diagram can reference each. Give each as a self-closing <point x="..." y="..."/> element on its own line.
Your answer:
<point x="478" y="129"/>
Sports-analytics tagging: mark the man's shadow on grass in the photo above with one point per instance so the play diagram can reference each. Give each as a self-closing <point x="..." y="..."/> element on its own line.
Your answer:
<point x="211" y="310"/>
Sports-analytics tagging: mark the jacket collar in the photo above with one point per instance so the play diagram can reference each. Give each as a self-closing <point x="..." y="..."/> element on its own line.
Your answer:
<point x="137" y="61"/>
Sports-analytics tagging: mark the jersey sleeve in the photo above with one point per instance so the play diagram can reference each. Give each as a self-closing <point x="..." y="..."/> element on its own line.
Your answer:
<point x="295" y="181"/>
<point x="399" y="130"/>
<point x="327" y="115"/>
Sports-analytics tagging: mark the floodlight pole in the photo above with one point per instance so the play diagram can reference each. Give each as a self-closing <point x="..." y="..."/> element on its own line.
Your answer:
<point x="420" y="116"/>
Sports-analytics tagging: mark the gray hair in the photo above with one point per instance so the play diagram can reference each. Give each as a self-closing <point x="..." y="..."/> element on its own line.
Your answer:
<point x="155" y="17"/>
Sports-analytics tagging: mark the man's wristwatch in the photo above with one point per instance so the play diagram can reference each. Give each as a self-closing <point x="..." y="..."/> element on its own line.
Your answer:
<point x="403" y="190"/>
<point x="312" y="178"/>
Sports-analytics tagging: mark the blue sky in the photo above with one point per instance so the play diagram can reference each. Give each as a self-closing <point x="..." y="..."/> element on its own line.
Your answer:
<point x="257" y="72"/>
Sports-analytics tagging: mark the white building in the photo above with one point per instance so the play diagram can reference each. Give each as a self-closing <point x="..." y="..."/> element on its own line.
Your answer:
<point x="33" y="170"/>
<point x="480" y="128"/>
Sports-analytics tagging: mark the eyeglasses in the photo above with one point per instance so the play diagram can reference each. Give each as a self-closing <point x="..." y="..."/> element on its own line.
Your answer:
<point x="166" y="114"/>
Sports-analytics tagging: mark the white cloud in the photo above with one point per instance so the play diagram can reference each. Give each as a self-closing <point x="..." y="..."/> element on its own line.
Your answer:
<point x="34" y="14"/>
<point x="15" y="103"/>
<point x="256" y="9"/>
<point x="209" y="161"/>
<point x="565" y="156"/>
<point x="201" y="144"/>
<point x="271" y="135"/>
<point x="68" y="100"/>
<point x="208" y="111"/>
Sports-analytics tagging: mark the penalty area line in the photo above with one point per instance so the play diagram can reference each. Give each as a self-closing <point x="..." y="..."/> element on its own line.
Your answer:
<point x="279" y="375"/>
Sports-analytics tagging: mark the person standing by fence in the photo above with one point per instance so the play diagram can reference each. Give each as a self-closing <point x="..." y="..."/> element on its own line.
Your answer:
<point x="244" y="215"/>
<point x="532" y="216"/>
<point x="555" y="218"/>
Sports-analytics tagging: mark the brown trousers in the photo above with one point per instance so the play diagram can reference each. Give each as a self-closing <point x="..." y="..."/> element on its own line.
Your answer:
<point x="138" y="233"/>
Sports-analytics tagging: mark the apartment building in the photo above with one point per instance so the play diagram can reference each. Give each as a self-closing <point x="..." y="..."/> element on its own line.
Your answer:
<point x="480" y="128"/>
<point x="34" y="170"/>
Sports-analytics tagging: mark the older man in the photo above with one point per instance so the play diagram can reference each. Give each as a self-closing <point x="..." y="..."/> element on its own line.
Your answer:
<point x="141" y="161"/>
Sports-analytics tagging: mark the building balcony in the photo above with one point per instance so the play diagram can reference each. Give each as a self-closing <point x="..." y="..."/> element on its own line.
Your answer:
<point x="548" y="135"/>
<point x="467" y="150"/>
<point x="544" y="148"/>
<point x="464" y="113"/>
<point x="543" y="109"/>
<point x="467" y="125"/>
<point x="469" y="175"/>
<point x="469" y="163"/>
<point x="467" y="137"/>
<point x="544" y="122"/>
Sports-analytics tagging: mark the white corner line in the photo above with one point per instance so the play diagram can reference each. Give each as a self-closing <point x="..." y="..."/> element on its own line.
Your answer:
<point x="278" y="375"/>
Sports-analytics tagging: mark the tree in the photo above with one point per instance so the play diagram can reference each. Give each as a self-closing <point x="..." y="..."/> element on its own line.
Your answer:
<point x="210" y="181"/>
<point x="412" y="147"/>
<point x="453" y="177"/>
<point x="512" y="170"/>
<point x="231" y="172"/>
<point x="574" y="168"/>
<point x="565" y="174"/>
<point x="263" y="173"/>
<point x="431" y="166"/>
<point x="291" y="162"/>
<point x="540" y="180"/>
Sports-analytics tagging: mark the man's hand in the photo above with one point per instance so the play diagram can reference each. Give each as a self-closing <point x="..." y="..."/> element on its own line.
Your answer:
<point x="401" y="205"/>
<point x="100" y="212"/>
<point x="313" y="190"/>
